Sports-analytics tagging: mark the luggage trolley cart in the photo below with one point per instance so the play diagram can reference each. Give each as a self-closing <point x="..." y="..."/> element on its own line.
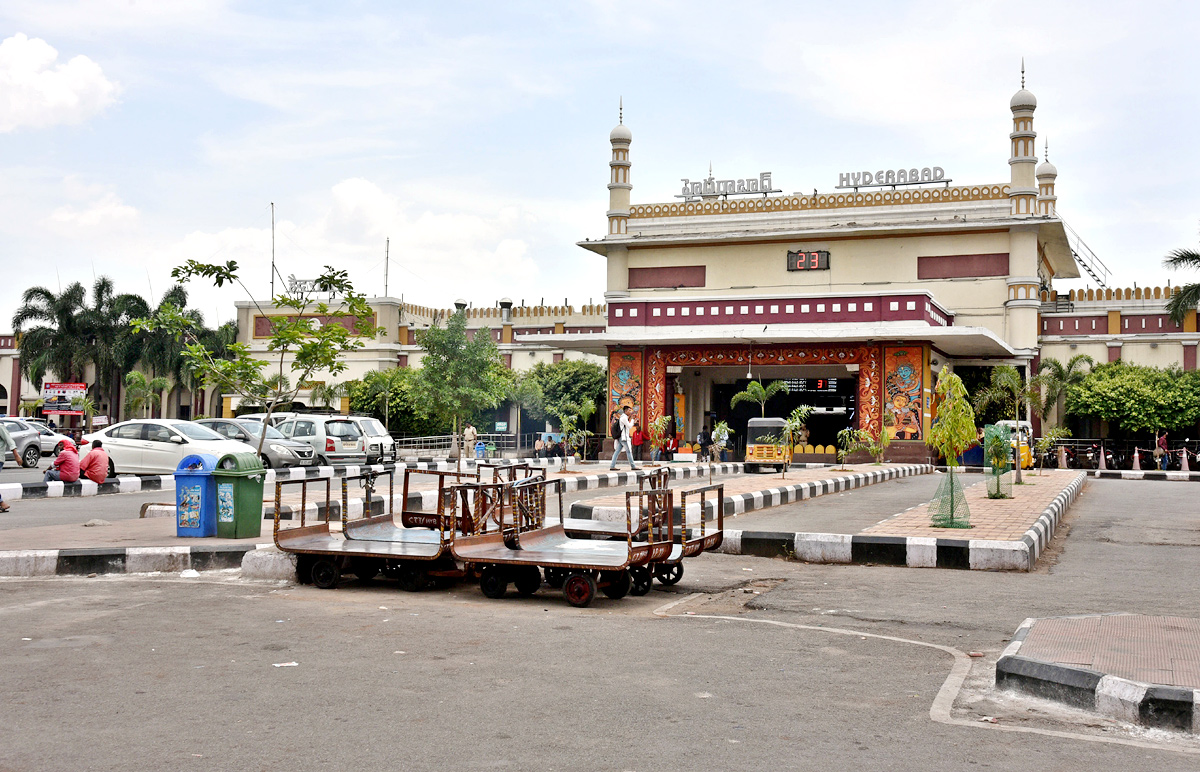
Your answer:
<point x="323" y="554"/>
<point x="416" y="518"/>
<point x="519" y="551"/>
<point x="505" y="472"/>
<point x="654" y="484"/>
<point x="693" y="541"/>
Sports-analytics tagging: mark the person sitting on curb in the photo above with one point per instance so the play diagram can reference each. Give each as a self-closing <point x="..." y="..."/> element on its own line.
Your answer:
<point x="95" y="464"/>
<point x="66" y="466"/>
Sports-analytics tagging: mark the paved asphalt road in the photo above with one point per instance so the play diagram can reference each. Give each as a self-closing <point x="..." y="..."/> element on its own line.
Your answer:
<point x="164" y="673"/>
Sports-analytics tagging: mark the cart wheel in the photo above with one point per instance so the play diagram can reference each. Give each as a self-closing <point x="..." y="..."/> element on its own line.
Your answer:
<point x="579" y="588"/>
<point x="528" y="580"/>
<point x="493" y="583"/>
<point x="412" y="579"/>
<point x="641" y="579"/>
<point x="670" y="574"/>
<point x="391" y="570"/>
<point x="555" y="577"/>
<point x="617" y="584"/>
<point x="365" y="570"/>
<point x="325" y="574"/>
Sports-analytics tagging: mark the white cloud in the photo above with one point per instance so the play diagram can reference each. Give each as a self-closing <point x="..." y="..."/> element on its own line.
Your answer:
<point x="94" y="208"/>
<point x="35" y="92"/>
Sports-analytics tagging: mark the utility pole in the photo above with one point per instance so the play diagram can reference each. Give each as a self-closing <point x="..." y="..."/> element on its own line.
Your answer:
<point x="272" y="250"/>
<point x="387" y="242"/>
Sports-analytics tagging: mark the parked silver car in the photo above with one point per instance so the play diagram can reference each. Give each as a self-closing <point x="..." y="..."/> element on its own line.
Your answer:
<point x="277" y="451"/>
<point x="380" y="445"/>
<point x="28" y="439"/>
<point x="336" y="440"/>
<point x="51" y="441"/>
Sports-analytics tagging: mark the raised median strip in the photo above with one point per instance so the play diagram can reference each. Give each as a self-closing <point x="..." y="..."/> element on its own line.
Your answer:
<point x="1105" y="656"/>
<point x="739" y="502"/>
<point x="893" y="545"/>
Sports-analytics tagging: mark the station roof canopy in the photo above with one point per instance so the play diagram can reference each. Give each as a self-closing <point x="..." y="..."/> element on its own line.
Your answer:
<point x="972" y="342"/>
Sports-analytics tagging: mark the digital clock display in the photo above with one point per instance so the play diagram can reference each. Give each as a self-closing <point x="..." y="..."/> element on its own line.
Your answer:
<point x="829" y="385"/>
<point x="808" y="261"/>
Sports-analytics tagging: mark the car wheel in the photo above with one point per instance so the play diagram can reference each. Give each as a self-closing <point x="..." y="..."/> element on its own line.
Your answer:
<point x="33" y="454"/>
<point x="58" y="449"/>
<point x="322" y="461"/>
<point x="266" y="462"/>
<point x="112" y="470"/>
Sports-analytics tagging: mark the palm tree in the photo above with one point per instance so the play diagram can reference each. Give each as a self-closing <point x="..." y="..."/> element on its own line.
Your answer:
<point x="755" y="392"/>
<point x="1188" y="295"/>
<point x="51" y="333"/>
<point x="1008" y="387"/>
<point x="327" y="393"/>
<point x="113" y="347"/>
<point x="1057" y="378"/>
<point x="142" y="393"/>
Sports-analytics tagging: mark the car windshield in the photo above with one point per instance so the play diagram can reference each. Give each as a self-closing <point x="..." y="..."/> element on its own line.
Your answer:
<point x="342" y="429"/>
<point x="253" y="428"/>
<point x="195" y="431"/>
<point x="373" y="427"/>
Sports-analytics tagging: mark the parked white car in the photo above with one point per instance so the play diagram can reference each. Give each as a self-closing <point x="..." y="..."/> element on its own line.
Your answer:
<point x="156" y="446"/>
<point x="380" y="445"/>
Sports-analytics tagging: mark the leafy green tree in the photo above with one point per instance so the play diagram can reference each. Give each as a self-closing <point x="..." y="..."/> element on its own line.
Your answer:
<point x="1047" y="441"/>
<point x="657" y="434"/>
<point x="1186" y="297"/>
<point x="460" y="377"/>
<point x="297" y="347"/>
<point x="952" y="432"/>
<point x="526" y="393"/>
<point x="1055" y="378"/>
<point x="1136" y="398"/>
<point x="1008" y="388"/>
<point x="390" y="395"/>
<point x="142" y="393"/>
<point x="789" y="433"/>
<point x="849" y="440"/>
<point x="756" y="392"/>
<point x="564" y="384"/>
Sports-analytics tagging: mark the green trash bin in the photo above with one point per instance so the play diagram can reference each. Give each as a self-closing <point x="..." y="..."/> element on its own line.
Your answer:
<point x="239" y="478"/>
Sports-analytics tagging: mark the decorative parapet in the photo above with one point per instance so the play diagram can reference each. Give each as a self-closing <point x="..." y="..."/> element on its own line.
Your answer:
<point x="823" y="201"/>
<point x="1126" y="293"/>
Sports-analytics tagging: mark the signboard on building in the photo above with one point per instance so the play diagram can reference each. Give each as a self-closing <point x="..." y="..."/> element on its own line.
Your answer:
<point x="57" y="397"/>
<point x="808" y="261"/>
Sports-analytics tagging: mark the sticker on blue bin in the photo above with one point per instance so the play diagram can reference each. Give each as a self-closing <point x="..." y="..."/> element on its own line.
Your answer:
<point x="225" y="502"/>
<point x="189" y="507"/>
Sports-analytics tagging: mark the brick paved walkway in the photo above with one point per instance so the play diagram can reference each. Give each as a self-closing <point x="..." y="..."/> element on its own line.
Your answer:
<point x="991" y="519"/>
<point x="1150" y="649"/>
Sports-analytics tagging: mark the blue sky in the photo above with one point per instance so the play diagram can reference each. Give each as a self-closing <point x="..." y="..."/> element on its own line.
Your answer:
<point x="136" y="134"/>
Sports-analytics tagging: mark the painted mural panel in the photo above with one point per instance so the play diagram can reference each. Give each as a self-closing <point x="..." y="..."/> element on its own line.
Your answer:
<point x="625" y="380"/>
<point x="904" y="367"/>
<point x="680" y="413"/>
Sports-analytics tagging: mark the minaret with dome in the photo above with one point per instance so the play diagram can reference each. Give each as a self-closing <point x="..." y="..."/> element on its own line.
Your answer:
<point x="618" y="179"/>
<point x="1022" y="194"/>
<point x="1046" y="174"/>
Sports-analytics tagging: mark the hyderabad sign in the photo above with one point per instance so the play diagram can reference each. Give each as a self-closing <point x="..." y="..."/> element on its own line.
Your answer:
<point x="892" y="177"/>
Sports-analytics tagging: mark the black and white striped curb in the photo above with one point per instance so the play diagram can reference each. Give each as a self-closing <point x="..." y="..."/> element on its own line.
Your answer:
<point x="118" y="560"/>
<point x="739" y="503"/>
<point x="157" y="482"/>
<point x="1152" y="705"/>
<point x="910" y="551"/>
<point x="1146" y="474"/>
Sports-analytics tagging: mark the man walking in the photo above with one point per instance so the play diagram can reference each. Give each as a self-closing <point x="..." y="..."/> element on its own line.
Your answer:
<point x="623" y="444"/>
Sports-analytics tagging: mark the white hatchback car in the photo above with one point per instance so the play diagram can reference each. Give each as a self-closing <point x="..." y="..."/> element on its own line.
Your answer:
<point x="156" y="446"/>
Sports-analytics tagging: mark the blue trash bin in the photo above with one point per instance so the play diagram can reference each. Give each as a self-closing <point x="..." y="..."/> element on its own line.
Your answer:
<point x="480" y="450"/>
<point x="196" y="496"/>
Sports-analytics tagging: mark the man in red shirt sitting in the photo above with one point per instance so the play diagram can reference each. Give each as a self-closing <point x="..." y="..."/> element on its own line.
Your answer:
<point x="95" y="464"/>
<point x="66" y="466"/>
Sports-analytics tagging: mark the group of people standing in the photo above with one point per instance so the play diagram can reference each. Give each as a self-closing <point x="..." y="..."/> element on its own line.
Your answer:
<point x="67" y="466"/>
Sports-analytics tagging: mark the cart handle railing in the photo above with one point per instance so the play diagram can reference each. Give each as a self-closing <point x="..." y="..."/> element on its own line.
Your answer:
<point x="702" y="492"/>
<point x="368" y="479"/>
<point x="657" y="500"/>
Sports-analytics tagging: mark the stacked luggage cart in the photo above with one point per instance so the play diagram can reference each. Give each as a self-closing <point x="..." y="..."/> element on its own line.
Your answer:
<point x="497" y="532"/>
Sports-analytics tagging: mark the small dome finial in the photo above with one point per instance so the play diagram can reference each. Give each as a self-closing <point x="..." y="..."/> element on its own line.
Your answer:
<point x="620" y="109"/>
<point x="1022" y="72"/>
<point x="1046" y="152"/>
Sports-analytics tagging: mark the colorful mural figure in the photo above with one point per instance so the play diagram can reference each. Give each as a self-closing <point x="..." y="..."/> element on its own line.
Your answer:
<point x="680" y="412"/>
<point x="625" y="380"/>
<point x="902" y="385"/>
<point x="188" y="508"/>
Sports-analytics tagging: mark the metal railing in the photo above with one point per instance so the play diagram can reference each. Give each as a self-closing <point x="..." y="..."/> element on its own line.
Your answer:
<point x="443" y="442"/>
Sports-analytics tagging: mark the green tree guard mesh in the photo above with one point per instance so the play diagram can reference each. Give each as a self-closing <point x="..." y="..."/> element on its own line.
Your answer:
<point x="997" y="460"/>
<point x="949" y="506"/>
